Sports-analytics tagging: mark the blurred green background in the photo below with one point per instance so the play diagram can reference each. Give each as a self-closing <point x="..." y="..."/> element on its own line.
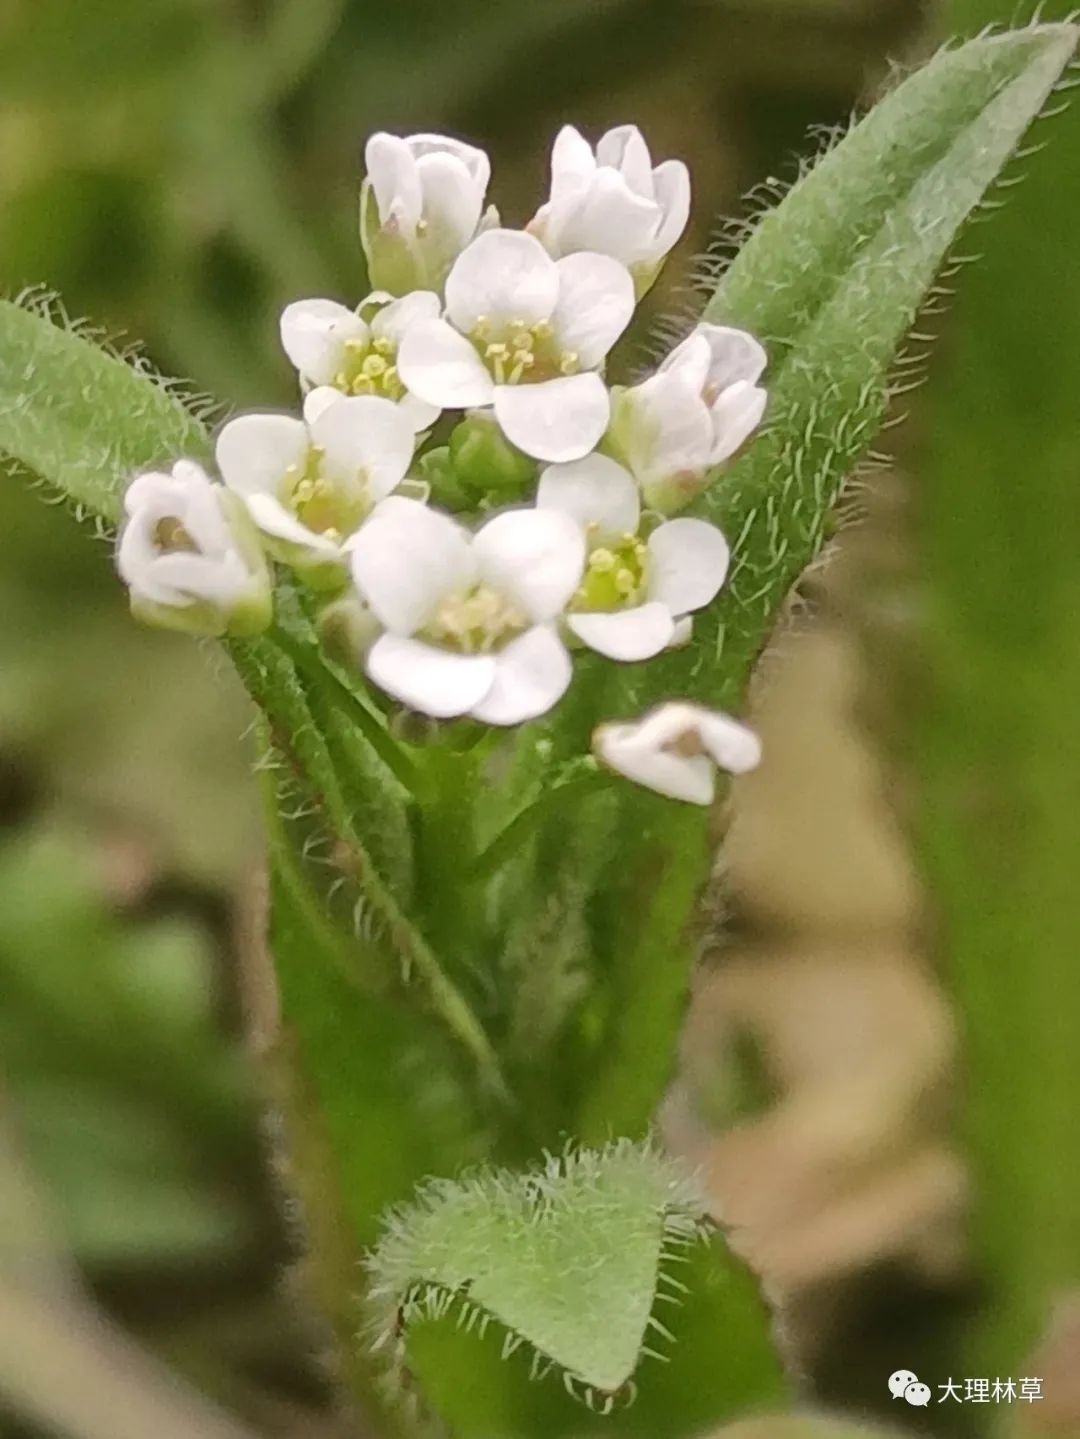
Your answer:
<point x="176" y="171"/>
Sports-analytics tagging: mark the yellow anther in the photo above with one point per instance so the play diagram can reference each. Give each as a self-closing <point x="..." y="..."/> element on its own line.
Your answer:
<point x="542" y="330"/>
<point x="374" y="367"/>
<point x="569" y="362"/>
<point x="601" y="561"/>
<point x="383" y="347"/>
<point x="625" y="582"/>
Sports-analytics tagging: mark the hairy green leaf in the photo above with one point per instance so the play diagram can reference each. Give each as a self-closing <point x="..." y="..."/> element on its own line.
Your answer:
<point x="566" y="1259"/>
<point x="81" y="418"/>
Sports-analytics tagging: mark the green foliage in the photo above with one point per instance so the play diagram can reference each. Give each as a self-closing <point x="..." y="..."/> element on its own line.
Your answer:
<point x="112" y="1126"/>
<point x="989" y="732"/>
<point x="566" y="1259"/>
<point x="406" y="996"/>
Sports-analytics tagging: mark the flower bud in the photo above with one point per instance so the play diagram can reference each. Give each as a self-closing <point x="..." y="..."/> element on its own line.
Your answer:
<point x="484" y="461"/>
<point x="190" y="556"/>
<point x="421" y="203"/>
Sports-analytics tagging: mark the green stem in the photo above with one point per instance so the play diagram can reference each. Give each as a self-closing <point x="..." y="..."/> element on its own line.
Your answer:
<point x="527" y="821"/>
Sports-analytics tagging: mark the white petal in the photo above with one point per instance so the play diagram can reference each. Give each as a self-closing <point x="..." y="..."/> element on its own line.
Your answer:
<point x="314" y="334"/>
<point x="671" y="186"/>
<point x="663" y="429"/>
<point x="406" y="559"/>
<point x="427" y="679"/>
<point x="690" y="361"/>
<point x="451" y="200"/>
<point x="418" y="412"/>
<point x="365" y="435"/>
<point x="558" y="420"/>
<point x="254" y="452"/>
<point x="441" y="367"/>
<point x="531" y="674"/>
<point x="595" y="305"/>
<point x="271" y="516"/>
<point x="317" y="400"/>
<point x="572" y="165"/>
<point x="503" y="275"/>
<point x="595" y="491"/>
<point x="392" y="321"/>
<point x="735" y="417"/>
<point x="690" y="778"/>
<point x="535" y="556"/>
<point x="391" y="168"/>
<point x="734" y="747"/>
<point x="608" y="218"/>
<point x="688" y="562"/>
<point x="635" y="634"/>
<point x="625" y="150"/>
<point x="474" y="159"/>
<point x="733" y="355"/>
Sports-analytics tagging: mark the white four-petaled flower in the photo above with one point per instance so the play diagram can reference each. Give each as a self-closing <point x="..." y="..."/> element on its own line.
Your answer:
<point x="525" y="334"/>
<point x="190" y="555"/>
<point x="470" y="620"/>
<point x="309" y="484"/>
<point x="421" y="203"/>
<point x="677" y="748"/>
<point x="613" y="201"/>
<point x="701" y="406"/>
<point x="354" y="352"/>
<point x="636" y="593"/>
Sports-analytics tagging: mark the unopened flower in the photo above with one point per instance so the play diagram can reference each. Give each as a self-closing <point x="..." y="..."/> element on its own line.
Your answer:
<point x="309" y="484"/>
<point x="355" y="351"/>
<point x="613" y="201"/>
<point x="677" y="748"/>
<point x="421" y="203"/>
<point x="190" y="555"/>
<point x="526" y="334"/>
<point x="469" y="619"/>
<point x="636" y="592"/>
<point x="701" y="406"/>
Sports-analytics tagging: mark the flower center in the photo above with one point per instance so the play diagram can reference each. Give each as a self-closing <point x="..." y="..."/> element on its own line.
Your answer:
<point x="320" y="501"/>
<point x="368" y="368"/>
<point x="519" y="354"/>
<point x="476" y="621"/>
<point x="170" y="537"/>
<point x="615" y="576"/>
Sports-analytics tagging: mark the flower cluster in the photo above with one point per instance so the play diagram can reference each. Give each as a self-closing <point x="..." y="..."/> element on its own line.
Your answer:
<point x="462" y="474"/>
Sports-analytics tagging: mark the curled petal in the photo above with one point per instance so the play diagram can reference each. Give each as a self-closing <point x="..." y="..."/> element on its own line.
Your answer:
<point x="391" y="170"/>
<point x="671" y="186"/>
<point x="558" y="420"/>
<point x="452" y="201"/>
<point x="503" y="275"/>
<point x="595" y="491"/>
<point x="428" y="679"/>
<point x="735" y="417"/>
<point x="733" y="355"/>
<point x="676" y="748"/>
<point x="662" y="428"/>
<point x="634" y="634"/>
<point x="440" y="366"/>
<point x="531" y="675"/>
<point x="688" y="562"/>
<point x="393" y="321"/>
<point x="534" y="556"/>
<point x="625" y="150"/>
<point x="273" y="519"/>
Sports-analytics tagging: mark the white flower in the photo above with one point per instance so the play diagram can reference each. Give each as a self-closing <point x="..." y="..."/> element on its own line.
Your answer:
<point x="701" y="406"/>
<point x="355" y="351"/>
<point x="469" y="619"/>
<point x="309" y="484"/>
<point x="190" y="555"/>
<point x="420" y="205"/>
<point x="636" y="593"/>
<point x="676" y="749"/>
<point x="524" y="333"/>
<point x="613" y="201"/>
